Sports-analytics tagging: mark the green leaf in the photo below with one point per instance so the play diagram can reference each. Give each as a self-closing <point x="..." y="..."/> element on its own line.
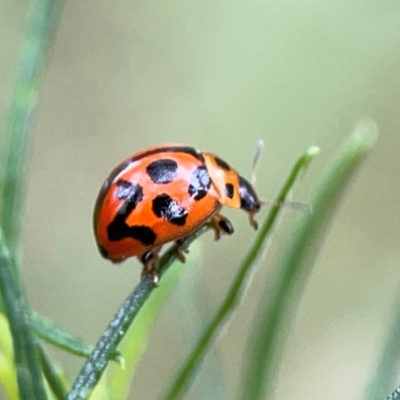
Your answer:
<point x="290" y="274"/>
<point x="188" y="369"/>
<point x="55" y="335"/>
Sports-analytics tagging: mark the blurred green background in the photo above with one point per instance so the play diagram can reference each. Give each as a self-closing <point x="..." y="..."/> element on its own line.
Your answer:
<point x="218" y="75"/>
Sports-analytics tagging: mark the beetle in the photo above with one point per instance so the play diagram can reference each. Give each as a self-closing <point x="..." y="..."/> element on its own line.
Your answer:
<point x="163" y="194"/>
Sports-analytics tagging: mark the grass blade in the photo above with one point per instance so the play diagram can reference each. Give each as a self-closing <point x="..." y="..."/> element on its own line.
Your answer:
<point x="41" y="27"/>
<point x="53" y="378"/>
<point x="388" y="362"/>
<point x="192" y="311"/>
<point x="268" y="335"/>
<point x="44" y="15"/>
<point x="29" y="377"/>
<point x="185" y="374"/>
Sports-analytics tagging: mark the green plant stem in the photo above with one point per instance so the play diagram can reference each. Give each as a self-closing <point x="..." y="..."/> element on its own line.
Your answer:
<point x="388" y="362"/>
<point x="186" y="372"/>
<point x="395" y="395"/>
<point x="44" y="15"/>
<point x="95" y="365"/>
<point x="50" y="332"/>
<point x="136" y="340"/>
<point x="56" y="384"/>
<point x="265" y="342"/>
<point x="29" y="377"/>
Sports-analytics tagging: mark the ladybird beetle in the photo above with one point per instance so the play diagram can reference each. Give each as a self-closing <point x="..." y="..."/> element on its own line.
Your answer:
<point x="163" y="194"/>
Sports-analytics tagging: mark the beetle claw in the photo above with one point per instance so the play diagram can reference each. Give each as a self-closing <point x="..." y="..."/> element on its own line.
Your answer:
<point x="150" y="265"/>
<point x="221" y="224"/>
<point x="180" y="251"/>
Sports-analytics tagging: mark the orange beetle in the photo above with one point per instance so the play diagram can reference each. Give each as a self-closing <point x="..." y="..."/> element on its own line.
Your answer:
<point x="163" y="194"/>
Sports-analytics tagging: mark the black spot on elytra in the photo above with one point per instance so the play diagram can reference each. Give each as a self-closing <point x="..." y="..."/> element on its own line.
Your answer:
<point x="107" y="184"/>
<point x="162" y="171"/>
<point x="127" y="190"/>
<point x="118" y="229"/>
<point x="223" y="164"/>
<point x="132" y="193"/>
<point x="199" y="183"/>
<point x="166" y="207"/>
<point x="142" y="233"/>
<point x="229" y="190"/>
<point x="127" y="163"/>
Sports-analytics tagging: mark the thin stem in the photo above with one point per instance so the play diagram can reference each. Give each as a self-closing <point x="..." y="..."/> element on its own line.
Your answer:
<point x="44" y="15"/>
<point x="16" y="141"/>
<point x="395" y="395"/>
<point x="186" y="372"/>
<point x="29" y="377"/>
<point x="266" y="340"/>
<point x="388" y="362"/>
<point x="53" y="379"/>
<point x="95" y="365"/>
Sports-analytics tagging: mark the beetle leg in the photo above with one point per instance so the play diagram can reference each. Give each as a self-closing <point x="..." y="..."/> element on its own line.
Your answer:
<point x="221" y="224"/>
<point x="150" y="264"/>
<point x="179" y="250"/>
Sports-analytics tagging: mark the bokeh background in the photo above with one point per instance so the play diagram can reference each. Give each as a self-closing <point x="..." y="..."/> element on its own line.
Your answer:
<point x="218" y="75"/>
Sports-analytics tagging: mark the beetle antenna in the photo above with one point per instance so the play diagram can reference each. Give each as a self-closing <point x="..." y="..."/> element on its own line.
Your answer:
<point x="256" y="158"/>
